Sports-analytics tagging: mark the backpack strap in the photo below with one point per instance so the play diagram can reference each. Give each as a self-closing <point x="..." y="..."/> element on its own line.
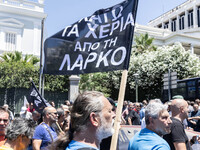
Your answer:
<point x="48" y="131"/>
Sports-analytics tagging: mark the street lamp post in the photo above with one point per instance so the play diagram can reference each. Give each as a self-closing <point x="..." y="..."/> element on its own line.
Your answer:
<point x="136" y="86"/>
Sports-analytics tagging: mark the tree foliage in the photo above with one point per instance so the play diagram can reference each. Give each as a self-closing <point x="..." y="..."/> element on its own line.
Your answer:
<point x="143" y="43"/>
<point x="151" y="65"/>
<point x="95" y="81"/>
<point x="17" y="69"/>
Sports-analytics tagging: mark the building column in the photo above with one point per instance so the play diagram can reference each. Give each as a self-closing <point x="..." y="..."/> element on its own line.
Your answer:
<point x="36" y="38"/>
<point x="191" y="48"/>
<point x="2" y="39"/>
<point x="163" y="25"/>
<point x="186" y="20"/>
<point x="170" y="24"/>
<point x="195" y="16"/>
<point x="73" y="91"/>
<point x="177" y="22"/>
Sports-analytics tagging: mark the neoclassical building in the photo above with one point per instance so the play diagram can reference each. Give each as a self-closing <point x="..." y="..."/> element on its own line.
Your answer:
<point x="181" y="24"/>
<point x="21" y="25"/>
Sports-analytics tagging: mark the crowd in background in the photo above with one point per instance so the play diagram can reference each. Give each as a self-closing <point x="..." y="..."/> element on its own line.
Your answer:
<point x="133" y="113"/>
<point x="56" y="121"/>
<point x="59" y="124"/>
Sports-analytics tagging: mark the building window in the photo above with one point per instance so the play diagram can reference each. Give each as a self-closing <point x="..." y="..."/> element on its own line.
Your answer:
<point x="173" y="25"/>
<point x="198" y="16"/>
<point x="10" y="41"/>
<point x="166" y="25"/>
<point x="160" y="26"/>
<point x="190" y="18"/>
<point x="181" y="22"/>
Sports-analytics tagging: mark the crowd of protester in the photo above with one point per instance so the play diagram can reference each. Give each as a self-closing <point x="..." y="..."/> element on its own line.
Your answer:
<point x="88" y="123"/>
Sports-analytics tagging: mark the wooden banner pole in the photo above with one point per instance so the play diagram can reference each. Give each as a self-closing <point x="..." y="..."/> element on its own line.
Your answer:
<point x="59" y="127"/>
<point x="119" y="110"/>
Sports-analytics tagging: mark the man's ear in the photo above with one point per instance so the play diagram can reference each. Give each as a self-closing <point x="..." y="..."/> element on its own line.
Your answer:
<point x="47" y="115"/>
<point x="151" y="121"/>
<point x="181" y="109"/>
<point x="94" y="119"/>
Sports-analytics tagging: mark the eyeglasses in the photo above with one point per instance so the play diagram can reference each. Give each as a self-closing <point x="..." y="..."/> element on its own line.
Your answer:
<point x="55" y="113"/>
<point x="4" y="120"/>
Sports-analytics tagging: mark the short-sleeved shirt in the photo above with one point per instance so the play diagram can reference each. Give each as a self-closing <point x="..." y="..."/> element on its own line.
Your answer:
<point x="147" y="140"/>
<point x="41" y="133"/>
<point x="74" y="145"/>
<point x="177" y="134"/>
<point x="135" y="117"/>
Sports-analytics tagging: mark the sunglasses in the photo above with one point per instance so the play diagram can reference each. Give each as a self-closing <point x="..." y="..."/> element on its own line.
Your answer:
<point x="53" y="113"/>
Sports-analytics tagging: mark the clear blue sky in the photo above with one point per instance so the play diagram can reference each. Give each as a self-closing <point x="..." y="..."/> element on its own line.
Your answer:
<point x="65" y="12"/>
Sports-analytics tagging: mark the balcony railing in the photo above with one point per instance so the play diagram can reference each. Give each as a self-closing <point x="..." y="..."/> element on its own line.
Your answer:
<point x="37" y="5"/>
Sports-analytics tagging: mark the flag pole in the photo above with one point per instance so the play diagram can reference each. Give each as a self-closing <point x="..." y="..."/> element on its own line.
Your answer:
<point x="59" y="127"/>
<point x="122" y="88"/>
<point x="33" y="84"/>
<point x="41" y="86"/>
<point x="119" y="110"/>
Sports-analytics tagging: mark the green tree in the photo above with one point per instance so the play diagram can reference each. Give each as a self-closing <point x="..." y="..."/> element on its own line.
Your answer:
<point x="16" y="70"/>
<point x="95" y="81"/>
<point x="143" y="43"/>
<point x="152" y="65"/>
<point x="13" y="57"/>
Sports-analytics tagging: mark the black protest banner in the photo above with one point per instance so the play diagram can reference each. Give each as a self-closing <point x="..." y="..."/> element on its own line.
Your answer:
<point x="98" y="43"/>
<point x="39" y="103"/>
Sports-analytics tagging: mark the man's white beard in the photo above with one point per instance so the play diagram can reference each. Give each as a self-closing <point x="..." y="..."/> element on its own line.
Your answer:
<point x="105" y="130"/>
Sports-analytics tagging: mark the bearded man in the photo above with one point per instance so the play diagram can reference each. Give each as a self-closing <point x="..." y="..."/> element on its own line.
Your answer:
<point x="92" y="120"/>
<point x="44" y="134"/>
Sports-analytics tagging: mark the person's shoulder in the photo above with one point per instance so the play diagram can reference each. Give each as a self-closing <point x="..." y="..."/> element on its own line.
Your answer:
<point x="198" y="113"/>
<point x="175" y="121"/>
<point x="39" y="128"/>
<point x="75" y="145"/>
<point x="162" y="144"/>
<point x="163" y="147"/>
<point x="133" y="112"/>
<point x="39" y="132"/>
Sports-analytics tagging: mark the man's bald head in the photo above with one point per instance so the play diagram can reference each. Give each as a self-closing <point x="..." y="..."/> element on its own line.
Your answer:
<point x="48" y="109"/>
<point x="179" y="107"/>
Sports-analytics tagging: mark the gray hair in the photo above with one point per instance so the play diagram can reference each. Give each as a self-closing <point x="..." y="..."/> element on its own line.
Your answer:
<point x="83" y="106"/>
<point x="60" y="112"/>
<point x="46" y="110"/>
<point x="156" y="100"/>
<point x="154" y="110"/>
<point x="20" y="126"/>
<point x="4" y="110"/>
